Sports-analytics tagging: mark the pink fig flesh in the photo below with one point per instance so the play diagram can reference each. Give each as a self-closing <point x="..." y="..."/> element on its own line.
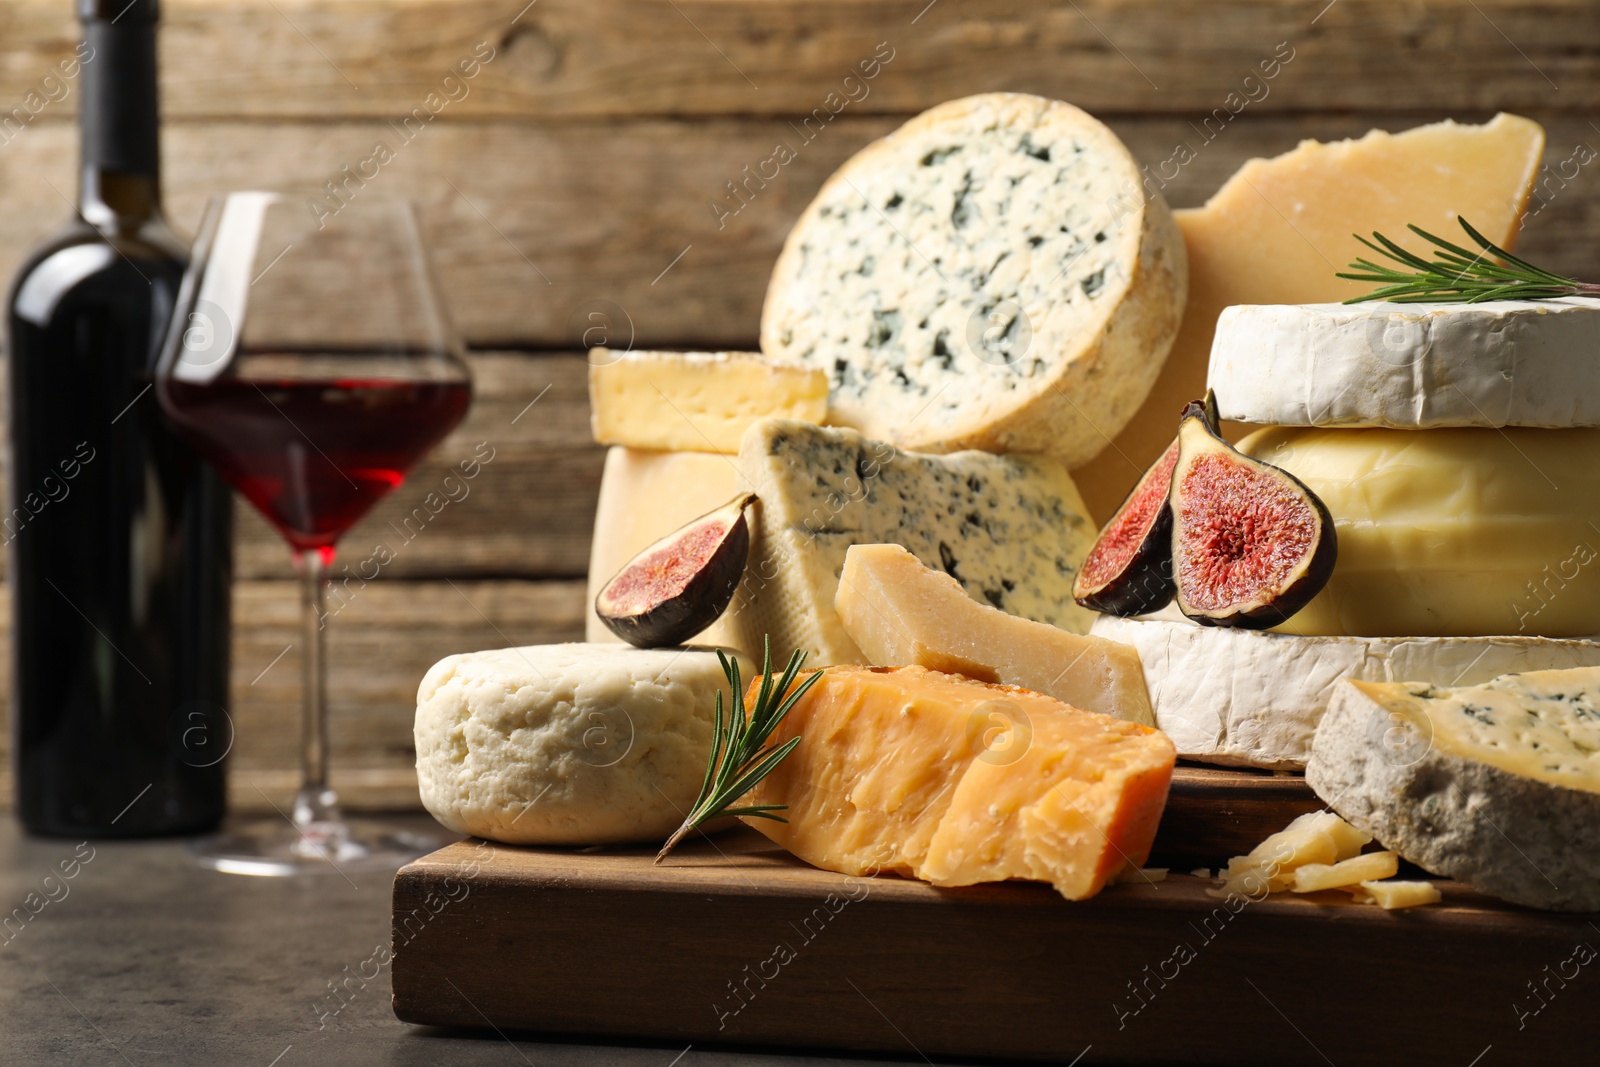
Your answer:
<point x="682" y="583"/>
<point x="1251" y="544"/>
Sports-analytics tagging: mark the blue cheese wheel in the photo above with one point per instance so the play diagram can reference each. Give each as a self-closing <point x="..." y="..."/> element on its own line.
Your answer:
<point x="571" y="744"/>
<point x="992" y="275"/>
<point x="1012" y="530"/>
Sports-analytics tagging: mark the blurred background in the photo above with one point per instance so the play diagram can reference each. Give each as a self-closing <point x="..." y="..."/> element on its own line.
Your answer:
<point x="624" y="172"/>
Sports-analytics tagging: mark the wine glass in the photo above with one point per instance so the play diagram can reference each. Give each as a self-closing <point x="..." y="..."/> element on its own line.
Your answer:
<point x="310" y="360"/>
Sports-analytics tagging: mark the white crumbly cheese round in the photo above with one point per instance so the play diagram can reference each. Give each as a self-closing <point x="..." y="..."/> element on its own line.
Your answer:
<point x="573" y="744"/>
<point x="991" y="275"/>
<point x="1253" y="699"/>
<point x="1410" y="366"/>
<point x="1456" y="532"/>
<point x="1497" y="785"/>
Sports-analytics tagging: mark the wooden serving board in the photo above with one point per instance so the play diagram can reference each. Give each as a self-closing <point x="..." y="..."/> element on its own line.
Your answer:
<point x="734" y="941"/>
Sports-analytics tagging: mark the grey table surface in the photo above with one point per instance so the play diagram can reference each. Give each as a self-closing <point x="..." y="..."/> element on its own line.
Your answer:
<point x="142" y="957"/>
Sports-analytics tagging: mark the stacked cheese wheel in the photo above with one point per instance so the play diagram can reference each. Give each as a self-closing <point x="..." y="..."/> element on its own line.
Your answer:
<point x="1453" y="445"/>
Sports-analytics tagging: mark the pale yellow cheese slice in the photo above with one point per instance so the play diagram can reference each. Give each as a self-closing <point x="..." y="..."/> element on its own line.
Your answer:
<point x="695" y="401"/>
<point x="1396" y="894"/>
<point x="1315" y="838"/>
<point x="902" y="613"/>
<point x="1279" y="229"/>
<point x="1369" y="866"/>
<point x="955" y="781"/>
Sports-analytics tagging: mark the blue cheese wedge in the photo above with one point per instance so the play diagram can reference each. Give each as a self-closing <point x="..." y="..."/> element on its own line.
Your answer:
<point x="1011" y="529"/>
<point x="992" y="275"/>
<point x="1410" y="366"/>
<point x="1497" y="784"/>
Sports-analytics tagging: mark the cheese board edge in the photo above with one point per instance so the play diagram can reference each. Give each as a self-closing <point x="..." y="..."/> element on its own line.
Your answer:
<point x="601" y="943"/>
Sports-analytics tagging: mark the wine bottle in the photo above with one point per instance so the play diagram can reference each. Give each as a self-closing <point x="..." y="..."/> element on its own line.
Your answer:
<point x="118" y="537"/>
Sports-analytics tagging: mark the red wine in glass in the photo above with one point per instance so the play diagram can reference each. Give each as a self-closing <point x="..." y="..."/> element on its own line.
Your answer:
<point x="314" y="455"/>
<point x="311" y="361"/>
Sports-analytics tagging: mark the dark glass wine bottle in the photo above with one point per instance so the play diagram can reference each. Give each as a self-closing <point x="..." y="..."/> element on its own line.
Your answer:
<point x="118" y="536"/>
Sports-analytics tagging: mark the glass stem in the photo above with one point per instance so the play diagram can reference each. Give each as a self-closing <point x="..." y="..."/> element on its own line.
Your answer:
<point x="316" y="802"/>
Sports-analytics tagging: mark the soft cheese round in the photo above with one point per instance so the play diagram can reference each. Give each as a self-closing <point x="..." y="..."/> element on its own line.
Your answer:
<point x="1453" y="532"/>
<point x="1497" y="785"/>
<point x="1253" y="699"/>
<point x="1410" y="366"/>
<point x="574" y="744"/>
<point x="992" y="275"/>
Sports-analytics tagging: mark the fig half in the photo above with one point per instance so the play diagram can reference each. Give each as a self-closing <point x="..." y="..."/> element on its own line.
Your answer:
<point x="682" y="583"/>
<point x="1128" y="571"/>
<point x="1251" y="544"/>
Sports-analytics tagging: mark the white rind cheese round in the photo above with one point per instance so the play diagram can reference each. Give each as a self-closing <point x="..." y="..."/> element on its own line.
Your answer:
<point x="573" y="744"/>
<point x="1497" y="785"/>
<point x="1410" y="366"/>
<point x="991" y="275"/>
<point x="1253" y="699"/>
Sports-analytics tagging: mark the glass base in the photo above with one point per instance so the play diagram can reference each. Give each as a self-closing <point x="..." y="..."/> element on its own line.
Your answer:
<point x="275" y="847"/>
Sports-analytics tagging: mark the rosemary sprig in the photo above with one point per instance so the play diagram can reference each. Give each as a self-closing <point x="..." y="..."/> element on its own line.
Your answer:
<point x="738" y="759"/>
<point x="1456" y="275"/>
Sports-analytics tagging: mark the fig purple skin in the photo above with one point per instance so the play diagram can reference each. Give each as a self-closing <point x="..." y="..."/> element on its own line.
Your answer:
<point x="1251" y="544"/>
<point x="1128" y="571"/>
<point x="682" y="583"/>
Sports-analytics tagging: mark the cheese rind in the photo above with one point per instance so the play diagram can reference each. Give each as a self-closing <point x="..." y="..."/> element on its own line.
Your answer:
<point x="902" y="613"/>
<point x="569" y="744"/>
<point x="991" y="275"/>
<point x="695" y="401"/>
<point x="959" y="782"/>
<point x="1279" y="229"/>
<point x="644" y="496"/>
<point x="1254" y="699"/>
<point x="1496" y="784"/>
<point x="1452" y="532"/>
<point x="1410" y="366"/>
<point x="1010" y="529"/>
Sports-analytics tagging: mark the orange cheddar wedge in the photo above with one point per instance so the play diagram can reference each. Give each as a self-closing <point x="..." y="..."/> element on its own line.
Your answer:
<point x="957" y="782"/>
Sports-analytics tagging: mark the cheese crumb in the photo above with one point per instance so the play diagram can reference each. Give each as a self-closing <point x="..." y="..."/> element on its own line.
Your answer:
<point x="1320" y="851"/>
<point x="1395" y="894"/>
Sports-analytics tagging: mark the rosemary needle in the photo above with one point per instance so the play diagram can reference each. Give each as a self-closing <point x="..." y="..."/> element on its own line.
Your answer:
<point x="739" y="756"/>
<point x="1455" y="275"/>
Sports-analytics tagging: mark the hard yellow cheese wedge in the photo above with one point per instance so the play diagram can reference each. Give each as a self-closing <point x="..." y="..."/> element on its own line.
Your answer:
<point x="959" y="782"/>
<point x="1279" y="229"/>
<point x="695" y="401"/>
<point x="902" y="613"/>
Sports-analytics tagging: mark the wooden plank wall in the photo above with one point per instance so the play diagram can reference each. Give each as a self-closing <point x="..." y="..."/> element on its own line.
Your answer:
<point x="574" y="157"/>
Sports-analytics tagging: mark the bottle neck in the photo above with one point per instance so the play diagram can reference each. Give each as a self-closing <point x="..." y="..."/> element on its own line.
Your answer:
<point x="120" y="124"/>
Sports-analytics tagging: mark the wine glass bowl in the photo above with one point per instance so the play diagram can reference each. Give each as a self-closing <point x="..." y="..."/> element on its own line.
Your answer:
<point x="311" y="362"/>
